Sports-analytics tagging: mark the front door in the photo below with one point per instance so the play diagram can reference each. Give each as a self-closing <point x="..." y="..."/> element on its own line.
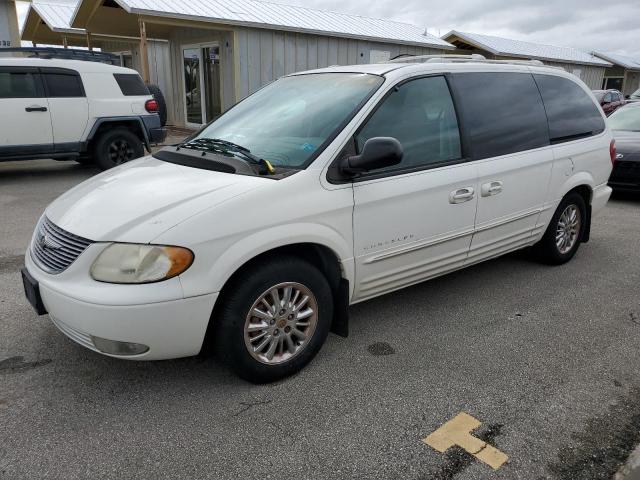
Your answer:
<point x="25" y="123"/>
<point x="413" y="221"/>
<point x="202" y="86"/>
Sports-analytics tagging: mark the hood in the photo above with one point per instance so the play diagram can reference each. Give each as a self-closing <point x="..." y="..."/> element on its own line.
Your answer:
<point x="626" y="141"/>
<point x="142" y="199"/>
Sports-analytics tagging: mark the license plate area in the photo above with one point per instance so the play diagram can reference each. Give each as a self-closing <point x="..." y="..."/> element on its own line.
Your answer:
<point x="32" y="292"/>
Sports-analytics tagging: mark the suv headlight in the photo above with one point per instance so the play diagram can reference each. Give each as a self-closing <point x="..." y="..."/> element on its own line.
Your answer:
<point x="131" y="263"/>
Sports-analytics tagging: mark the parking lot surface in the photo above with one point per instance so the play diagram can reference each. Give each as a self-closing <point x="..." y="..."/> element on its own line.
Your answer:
<point x="546" y="358"/>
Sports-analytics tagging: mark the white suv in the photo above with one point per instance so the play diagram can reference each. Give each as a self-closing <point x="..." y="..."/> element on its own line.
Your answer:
<point x="321" y="190"/>
<point x="78" y="110"/>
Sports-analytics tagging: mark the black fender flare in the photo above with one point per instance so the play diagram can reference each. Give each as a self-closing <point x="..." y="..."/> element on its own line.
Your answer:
<point x="104" y="120"/>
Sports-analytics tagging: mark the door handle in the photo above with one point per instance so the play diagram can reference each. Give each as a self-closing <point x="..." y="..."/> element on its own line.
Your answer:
<point x="462" y="195"/>
<point x="491" y="188"/>
<point x="35" y="108"/>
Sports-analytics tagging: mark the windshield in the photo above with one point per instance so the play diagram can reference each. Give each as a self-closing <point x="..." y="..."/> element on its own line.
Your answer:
<point x="288" y="121"/>
<point x="599" y="95"/>
<point x="627" y="118"/>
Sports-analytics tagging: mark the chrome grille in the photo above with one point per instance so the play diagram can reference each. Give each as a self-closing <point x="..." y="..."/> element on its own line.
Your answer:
<point x="54" y="249"/>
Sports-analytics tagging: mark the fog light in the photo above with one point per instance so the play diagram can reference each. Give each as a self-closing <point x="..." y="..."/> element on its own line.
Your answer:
<point x="113" y="347"/>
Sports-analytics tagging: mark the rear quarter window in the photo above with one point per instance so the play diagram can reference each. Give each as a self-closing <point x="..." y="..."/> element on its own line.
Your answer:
<point x="503" y="112"/>
<point x="131" y="85"/>
<point x="572" y="113"/>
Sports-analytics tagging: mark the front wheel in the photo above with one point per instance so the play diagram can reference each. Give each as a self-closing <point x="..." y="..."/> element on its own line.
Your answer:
<point x="273" y="319"/>
<point x="565" y="231"/>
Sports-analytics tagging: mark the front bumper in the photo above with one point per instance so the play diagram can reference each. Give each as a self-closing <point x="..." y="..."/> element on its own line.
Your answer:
<point x="170" y="328"/>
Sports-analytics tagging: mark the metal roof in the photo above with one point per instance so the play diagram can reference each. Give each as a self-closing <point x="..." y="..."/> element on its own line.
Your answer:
<point x="270" y="15"/>
<point x="517" y="48"/>
<point x="57" y="15"/>
<point x="627" y="62"/>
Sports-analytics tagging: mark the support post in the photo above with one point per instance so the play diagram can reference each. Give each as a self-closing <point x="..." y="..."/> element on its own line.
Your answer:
<point x="12" y="20"/>
<point x="144" y="52"/>
<point x="89" y="41"/>
<point x="65" y="42"/>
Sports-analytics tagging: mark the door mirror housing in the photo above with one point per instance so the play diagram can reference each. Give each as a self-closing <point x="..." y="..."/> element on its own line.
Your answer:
<point x="378" y="152"/>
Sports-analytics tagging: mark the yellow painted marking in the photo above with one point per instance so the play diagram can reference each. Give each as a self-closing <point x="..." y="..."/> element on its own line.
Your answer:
<point x="457" y="431"/>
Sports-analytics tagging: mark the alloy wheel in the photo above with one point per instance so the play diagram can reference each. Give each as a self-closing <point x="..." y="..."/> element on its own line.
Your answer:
<point x="568" y="229"/>
<point x="281" y="323"/>
<point x="120" y="151"/>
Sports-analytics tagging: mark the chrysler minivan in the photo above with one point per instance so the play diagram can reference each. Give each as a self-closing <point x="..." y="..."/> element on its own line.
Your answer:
<point x="323" y="189"/>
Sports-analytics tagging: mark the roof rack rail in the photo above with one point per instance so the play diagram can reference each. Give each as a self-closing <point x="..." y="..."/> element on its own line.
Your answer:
<point x="458" y="58"/>
<point x="64" y="53"/>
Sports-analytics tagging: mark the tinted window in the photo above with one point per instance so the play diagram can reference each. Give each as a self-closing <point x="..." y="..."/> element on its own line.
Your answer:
<point x="63" y="85"/>
<point x="19" y="85"/>
<point x="503" y="113"/>
<point x="421" y="116"/>
<point x="572" y="113"/>
<point x="131" y="84"/>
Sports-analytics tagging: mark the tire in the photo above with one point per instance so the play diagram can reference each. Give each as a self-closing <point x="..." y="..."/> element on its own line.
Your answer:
<point x="115" y="147"/>
<point x="233" y="339"/>
<point x="549" y="250"/>
<point x="162" y="103"/>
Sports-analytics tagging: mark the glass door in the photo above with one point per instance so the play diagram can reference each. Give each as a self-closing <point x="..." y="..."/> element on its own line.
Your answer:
<point x="203" y="101"/>
<point x="192" y="72"/>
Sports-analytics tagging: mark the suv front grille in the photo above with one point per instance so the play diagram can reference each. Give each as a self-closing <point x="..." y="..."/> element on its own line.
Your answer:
<point x="54" y="249"/>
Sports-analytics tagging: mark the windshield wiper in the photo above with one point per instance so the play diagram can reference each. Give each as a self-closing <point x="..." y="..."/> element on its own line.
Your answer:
<point x="244" y="152"/>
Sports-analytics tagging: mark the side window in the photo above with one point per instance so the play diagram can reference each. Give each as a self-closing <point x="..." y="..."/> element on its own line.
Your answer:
<point x="503" y="113"/>
<point x="131" y="84"/>
<point x="19" y="85"/>
<point x="572" y="114"/>
<point x="63" y="85"/>
<point x="608" y="98"/>
<point x="421" y="116"/>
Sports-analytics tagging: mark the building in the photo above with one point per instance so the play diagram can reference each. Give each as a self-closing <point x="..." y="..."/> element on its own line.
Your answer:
<point x="221" y="52"/>
<point x="623" y="75"/>
<point x="588" y="67"/>
<point x="49" y="23"/>
<point x="9" y="31"/>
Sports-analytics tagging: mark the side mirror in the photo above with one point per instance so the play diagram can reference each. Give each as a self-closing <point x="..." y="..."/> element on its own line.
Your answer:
<point x="378" y="152"/>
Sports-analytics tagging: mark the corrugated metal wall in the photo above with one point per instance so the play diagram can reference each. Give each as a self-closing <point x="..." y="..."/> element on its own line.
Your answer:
<point x="592" y="75"/>
<point x="262" y="56"/>
<point x="265" y="55"/>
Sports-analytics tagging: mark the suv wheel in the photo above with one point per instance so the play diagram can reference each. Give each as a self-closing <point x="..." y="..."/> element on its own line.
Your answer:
<point x="117" y="146"/>
<point x="273" y="319"/>
<point x="564" y="234"/>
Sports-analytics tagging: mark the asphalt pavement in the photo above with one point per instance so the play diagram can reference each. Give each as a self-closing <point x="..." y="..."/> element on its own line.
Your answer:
<point x="546" y="358"/>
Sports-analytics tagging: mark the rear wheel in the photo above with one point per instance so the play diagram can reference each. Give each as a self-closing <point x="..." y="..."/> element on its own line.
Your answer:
<point x="273" y="319"/>
<point x="117" y="146"/>
<point x="564" y="233"/>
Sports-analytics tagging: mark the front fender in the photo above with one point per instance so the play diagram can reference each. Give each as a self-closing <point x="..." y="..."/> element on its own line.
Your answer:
<point x="220" y="259"/>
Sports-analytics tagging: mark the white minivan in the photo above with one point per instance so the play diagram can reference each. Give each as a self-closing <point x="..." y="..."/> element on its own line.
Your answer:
<point x="321" y="190"/>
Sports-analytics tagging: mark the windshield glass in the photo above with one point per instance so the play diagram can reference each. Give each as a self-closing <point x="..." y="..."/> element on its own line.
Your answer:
<point x="289" y="120"/>
<point x="599" y="95"/>
<point x="627" y="118"/>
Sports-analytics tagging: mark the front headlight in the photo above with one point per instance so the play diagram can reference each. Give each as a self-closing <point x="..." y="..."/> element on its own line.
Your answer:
<point x="131" y="263"/>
